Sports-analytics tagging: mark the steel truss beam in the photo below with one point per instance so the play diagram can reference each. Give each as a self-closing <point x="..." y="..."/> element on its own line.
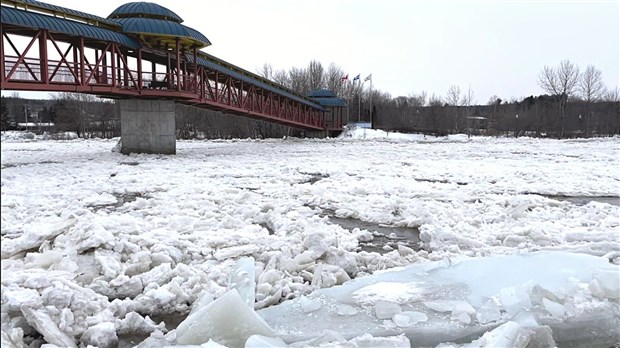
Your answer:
<point x="120" y="72"/>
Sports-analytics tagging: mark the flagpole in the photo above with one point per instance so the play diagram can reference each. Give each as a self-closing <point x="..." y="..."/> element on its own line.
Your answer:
<point x="359" y="98"/>
<point x="348" y="107"/>
<point x="370" y="110"/>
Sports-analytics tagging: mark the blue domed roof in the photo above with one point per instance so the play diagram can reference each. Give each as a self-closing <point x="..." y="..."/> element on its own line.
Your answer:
<point x="322" y="93"/>
<point x="145" y="9"/>
<point x="325" y="97"/>
<point x="156" y="24"/>
<point x="158" y="27"/>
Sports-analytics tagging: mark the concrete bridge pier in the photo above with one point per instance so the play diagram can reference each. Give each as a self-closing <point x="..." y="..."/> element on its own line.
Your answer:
<point x="147" y="126"/>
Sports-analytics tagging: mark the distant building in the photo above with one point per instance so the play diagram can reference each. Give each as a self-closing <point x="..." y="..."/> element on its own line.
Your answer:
<point x="335" y="109"/>
<point x="477" y="125"/>
<point x="352" y="125"/>
<point x="35" y="126"/>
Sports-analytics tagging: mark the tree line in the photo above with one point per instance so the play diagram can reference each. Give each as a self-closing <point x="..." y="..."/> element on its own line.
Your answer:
<point x="576" y="104"/>
<point x="92" y="117"/>
<point x="575" y="101"/>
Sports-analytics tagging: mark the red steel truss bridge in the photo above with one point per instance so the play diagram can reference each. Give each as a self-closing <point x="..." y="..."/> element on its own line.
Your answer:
<point x="140" y="51"/>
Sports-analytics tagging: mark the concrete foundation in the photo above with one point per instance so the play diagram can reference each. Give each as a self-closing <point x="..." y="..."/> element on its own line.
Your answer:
<point x="317" y="134"/>
<point x="148" y="126"/>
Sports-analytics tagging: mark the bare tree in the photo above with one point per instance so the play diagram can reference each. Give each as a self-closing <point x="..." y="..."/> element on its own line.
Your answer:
<point x="316" y="75"/>
<point x="333" y="79"/>
<point x="282" y="78"/>
<point x="73" y="112"/>
<point x="417" y="100"/>
<point x="454" y="95"/>
<point x="453" y="98"/>
<point x="467" y="101"/>
<point x="401" y="102"/>
<point x="591" y="88"/>
<point x="591" y="84"/>
<point x="437" y="113"/>
<point x="265" y="71"/>
<point x="493" y="100"/>
<point x="468" y="98"/>
<point x="561" y="82"/>
<point x="4" y="115"/>
<point x="612" y="95"/>
<point x="298" y="81"/>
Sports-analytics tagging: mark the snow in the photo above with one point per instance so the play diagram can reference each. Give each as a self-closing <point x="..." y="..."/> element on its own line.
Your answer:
<point x="105" y="249"/>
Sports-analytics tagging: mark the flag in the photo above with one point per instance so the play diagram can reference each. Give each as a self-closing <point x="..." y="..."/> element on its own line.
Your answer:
<point x="369" y="77"/>
<point x="345" y="77"/>
<point x="356" y="77"/>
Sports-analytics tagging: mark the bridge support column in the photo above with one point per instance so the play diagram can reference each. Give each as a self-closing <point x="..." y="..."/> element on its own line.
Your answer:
<point x="148" y="126"/>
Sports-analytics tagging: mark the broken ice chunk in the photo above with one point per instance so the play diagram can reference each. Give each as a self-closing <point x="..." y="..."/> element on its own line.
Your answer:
<point x="160" y="296"/>
<point x="46" y="326"/>
<point x="606" y="284"/>
<point x="258" y="341"/>
<point x="386" y="310"/>
<point x="326" y="276"/>
<point x="326" y="337"/>
<point x="555" y="309"/>
<point x="309" y="305"/>
<point x="227" y="320"/>
<point x="345" y="309"/>
<point x="101" y="335"/>
<point x="13" y="297"/>
<point x="504" y="335"/>
<point x="440" y="306"/>
<point x="409" y="318"/>
<point x="211" y="344"/>
<point x="399" y="292"/>
<point x="463" y="312"/>
<point x="460" y="310"/>
<point x="235" y="251"/>
<point x="488" y="312"/>
<point x="241" y="278"/>
<point x="513" y="300"/>
<point x="368" y="340"/>
<point x="204" y="299"/>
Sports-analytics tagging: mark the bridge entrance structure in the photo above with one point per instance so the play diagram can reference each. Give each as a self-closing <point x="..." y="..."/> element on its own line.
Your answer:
<point x="144" y="55"/>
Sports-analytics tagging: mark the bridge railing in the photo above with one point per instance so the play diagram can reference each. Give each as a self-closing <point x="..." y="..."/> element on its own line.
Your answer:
<point x="113" y="70"/>
<point x="29" y="70"/>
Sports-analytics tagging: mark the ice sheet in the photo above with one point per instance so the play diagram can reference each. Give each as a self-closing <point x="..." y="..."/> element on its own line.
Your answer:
<point x="453" y="296"/>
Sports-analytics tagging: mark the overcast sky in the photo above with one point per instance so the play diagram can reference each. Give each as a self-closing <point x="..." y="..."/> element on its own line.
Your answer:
<point x="496" y="47"/>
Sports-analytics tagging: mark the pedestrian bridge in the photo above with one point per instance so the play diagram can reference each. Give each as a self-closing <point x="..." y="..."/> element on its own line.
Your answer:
<point x="142" y="54"/>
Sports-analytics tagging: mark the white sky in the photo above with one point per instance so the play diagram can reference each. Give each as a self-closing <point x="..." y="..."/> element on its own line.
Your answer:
<point x="496" y="47"/>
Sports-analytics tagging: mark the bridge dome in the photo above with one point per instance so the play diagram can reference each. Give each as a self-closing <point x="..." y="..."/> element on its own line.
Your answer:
<point x="145" y="9"/>
<point x="156" y="25"/>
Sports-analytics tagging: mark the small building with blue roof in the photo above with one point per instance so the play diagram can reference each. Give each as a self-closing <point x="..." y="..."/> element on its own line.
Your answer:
<point x="336" y="109"/>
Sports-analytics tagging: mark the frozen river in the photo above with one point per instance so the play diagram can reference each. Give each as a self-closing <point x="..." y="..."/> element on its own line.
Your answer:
<point x="147" y="235"/>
